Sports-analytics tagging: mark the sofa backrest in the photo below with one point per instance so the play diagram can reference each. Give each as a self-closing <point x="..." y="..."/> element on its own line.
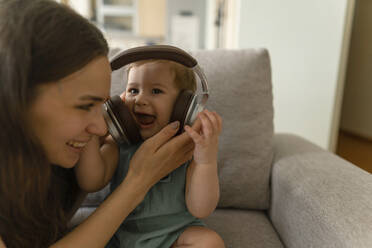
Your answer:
<point x="241" y="92"/>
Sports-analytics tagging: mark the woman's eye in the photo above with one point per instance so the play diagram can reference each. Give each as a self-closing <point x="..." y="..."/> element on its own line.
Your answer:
<point x="86" y="107"/>
<point x="156" y="91"/>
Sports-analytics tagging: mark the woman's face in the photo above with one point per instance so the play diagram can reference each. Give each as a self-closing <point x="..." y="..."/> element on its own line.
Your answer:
<point x="66" y="114"/>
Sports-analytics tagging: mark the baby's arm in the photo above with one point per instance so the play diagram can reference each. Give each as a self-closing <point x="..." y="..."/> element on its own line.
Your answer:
<point x="202" y="185"/>
<point x="97" y="164"/>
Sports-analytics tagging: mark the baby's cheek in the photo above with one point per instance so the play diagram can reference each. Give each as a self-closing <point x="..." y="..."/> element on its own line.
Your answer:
<point x="128" y="101"/>
<point x="168" y="119"/>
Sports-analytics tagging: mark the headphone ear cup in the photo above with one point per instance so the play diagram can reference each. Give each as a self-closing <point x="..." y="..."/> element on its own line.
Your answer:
<point x="181" y="107"/>
<point x="125" y="120"/>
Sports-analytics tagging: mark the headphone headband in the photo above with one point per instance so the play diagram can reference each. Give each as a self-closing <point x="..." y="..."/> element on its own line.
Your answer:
<point x="152" y="52"/>
<point x="165" y="52"/>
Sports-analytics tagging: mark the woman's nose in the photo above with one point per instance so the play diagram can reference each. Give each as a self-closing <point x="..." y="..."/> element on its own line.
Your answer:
<point x="98" y="125"/>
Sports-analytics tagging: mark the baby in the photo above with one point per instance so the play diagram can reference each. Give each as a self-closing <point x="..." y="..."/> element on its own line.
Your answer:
<point x="169" y="216"/>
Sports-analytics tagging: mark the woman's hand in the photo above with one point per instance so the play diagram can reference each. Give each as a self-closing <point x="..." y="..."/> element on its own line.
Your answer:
<point x="159" y="155"/>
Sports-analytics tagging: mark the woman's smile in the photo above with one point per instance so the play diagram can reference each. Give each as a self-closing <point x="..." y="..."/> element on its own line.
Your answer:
<point x="77" y="146"/>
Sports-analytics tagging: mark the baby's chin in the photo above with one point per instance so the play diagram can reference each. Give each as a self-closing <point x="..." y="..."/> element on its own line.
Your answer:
<point x="145" y="134"/>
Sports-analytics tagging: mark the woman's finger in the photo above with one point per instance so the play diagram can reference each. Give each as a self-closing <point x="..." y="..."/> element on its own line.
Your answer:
<point x="163" y="135"/>
<point x="189" y="146"/>
<point x="174" y="157"/>
<point x="176" y="143"/>
<point x="188" y="155"/>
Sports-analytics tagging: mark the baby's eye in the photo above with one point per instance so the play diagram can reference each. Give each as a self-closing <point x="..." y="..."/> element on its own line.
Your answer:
<point x="157" y="91"/>
<point x="133" y="91"/>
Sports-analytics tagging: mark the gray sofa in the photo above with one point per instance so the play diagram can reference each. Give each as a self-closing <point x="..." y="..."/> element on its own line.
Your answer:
<point x="277" y="190"/>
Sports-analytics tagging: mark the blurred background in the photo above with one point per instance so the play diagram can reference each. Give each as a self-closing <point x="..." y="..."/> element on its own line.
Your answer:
<point x="321" y="55"/>
<point x="191" y="24"/>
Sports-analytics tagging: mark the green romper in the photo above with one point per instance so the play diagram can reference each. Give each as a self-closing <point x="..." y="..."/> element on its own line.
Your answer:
<point x="161" y="217"/>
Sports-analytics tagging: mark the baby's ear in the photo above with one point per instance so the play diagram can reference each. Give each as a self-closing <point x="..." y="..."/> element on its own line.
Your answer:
<point x="122" y="96"/>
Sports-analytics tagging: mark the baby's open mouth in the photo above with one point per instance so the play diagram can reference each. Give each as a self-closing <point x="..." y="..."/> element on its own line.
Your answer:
<point x="145" y="119"/>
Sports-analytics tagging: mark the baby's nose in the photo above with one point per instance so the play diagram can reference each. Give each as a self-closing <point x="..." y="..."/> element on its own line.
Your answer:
<point x="142" y="99"/>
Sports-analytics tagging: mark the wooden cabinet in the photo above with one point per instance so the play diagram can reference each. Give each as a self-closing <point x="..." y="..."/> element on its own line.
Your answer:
<point x="151" y="18"/>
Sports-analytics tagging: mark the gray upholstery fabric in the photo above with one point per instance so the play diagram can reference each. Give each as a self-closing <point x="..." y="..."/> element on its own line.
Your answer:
<point x="81" y="214"/>
<point x="319" y="199"/>
<point x="240" y="91"/>
<point x="242" y="228"/>
<point x="94" y="199"/>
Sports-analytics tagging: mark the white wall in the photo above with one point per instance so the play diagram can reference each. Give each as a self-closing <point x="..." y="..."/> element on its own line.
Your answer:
<point x="308" y="44"/>
<point x="82" y="6"/>
<point x="210" y="27"/>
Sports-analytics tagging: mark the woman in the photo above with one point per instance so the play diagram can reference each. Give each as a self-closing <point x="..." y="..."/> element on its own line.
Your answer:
<point x="54" y="76"/>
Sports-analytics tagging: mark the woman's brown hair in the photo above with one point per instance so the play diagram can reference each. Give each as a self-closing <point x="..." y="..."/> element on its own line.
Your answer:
<point x="41" y="42"/>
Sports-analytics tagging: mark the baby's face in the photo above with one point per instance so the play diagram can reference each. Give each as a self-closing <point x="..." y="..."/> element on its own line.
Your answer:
<point x="150" y="96"/>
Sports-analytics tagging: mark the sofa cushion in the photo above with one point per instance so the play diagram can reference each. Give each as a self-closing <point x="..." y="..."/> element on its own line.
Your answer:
<point x="240" y="91"/>
<point x="244" y="228"/>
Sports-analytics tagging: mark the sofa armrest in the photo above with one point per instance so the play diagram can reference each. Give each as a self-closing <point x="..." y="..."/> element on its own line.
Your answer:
<point x="318" y="199"/>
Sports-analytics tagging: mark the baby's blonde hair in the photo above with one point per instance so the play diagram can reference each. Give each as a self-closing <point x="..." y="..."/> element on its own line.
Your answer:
<point x="184" y="76"/>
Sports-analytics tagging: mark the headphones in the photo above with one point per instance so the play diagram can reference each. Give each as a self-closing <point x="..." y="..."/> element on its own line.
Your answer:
<point x="121" y="125"/>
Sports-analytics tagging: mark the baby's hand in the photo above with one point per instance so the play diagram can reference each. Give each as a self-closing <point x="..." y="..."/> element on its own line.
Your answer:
<point x="206" y="140"/>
